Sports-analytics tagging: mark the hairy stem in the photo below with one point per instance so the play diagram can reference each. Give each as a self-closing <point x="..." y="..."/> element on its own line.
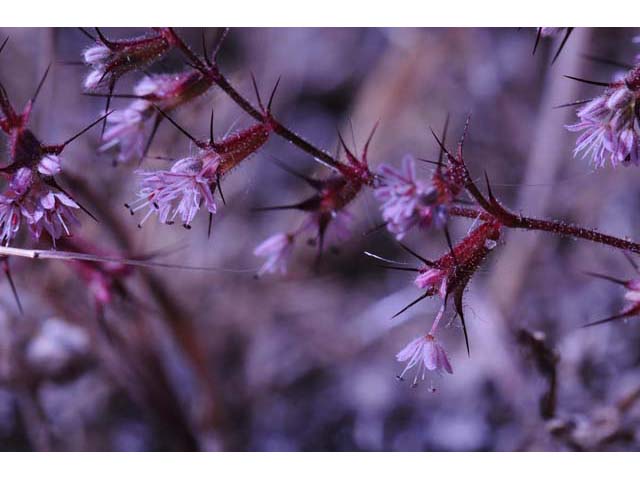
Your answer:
<point x="224" y="84"/>
<point x="559" y="228"/>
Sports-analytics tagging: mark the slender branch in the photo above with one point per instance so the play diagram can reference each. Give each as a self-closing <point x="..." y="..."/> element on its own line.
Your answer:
<point x="559" y="228"/>
<point x="278" y="128"/>
<point x="224" y="84"/>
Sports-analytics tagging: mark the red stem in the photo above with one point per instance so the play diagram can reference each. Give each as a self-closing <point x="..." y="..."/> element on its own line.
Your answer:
<point x="247" y="106"/>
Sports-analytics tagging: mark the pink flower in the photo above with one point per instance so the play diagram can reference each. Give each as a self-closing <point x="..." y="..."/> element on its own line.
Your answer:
<point x="633" y="291"/>
<point x="407" y="202"/>
<point x="170" y="90"/>
<point x="30" y="200"/>
<point x="109" y="60"/>
<point x="277" y="249"/>
<point x="433" y="279"/>
<point x="425" y="353"/>
<point x="179" y="191"/>
<point x="96" y="57"/>
<point x="49" y="165"/>
<point x="9" y="220"/>
<point x="53" y="213"/>
<point x="609" y="126"/>
<point x="126" y="131"/>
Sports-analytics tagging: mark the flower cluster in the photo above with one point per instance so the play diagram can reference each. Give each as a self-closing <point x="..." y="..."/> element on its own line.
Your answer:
<point x="406" y="201"/>
<point x="127" y="127"/>
<point x="126" y="131"/>
<point x="179" y="191"/>
<point x="609" y="124"/>
<point x="29" y="200"/>
<point x="278" y="248"/>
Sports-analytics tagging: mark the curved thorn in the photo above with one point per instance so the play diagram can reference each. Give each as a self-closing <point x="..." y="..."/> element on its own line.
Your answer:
<point x="607" y="320"/>
<point x="538" y="37"/>
<point x="365" y="150"/>
<point x="588" y="82"/>
<point x="211" y="137"/>
<point x="177" y="125"/>
<point x="429" y="263"/>
<point x="439" y="142"/>
<point x="108" y="43"/>
<point x="273" y="93"/>
<point x="607" y="277"/>
<point x="3" y="44"/>
<point x="417" y="300"/>
<point x="457" y="300"/>
<point x="444" y="140"/>
<point x="39" y="87"/>
<point x="631" y="261"/>
<point x="404" y="269"/>
<point x="562" y="44"/>
<point x="257" y="92"/>
<point x="86" y="129"/>
<point x="450" y="244"/>
<point x="204" y="48"/>
<point x="12" y="285"/>
<point x="154" y="130"/>
<point x="220" y="189"/>
<point x="87" y="34"/>
<point x="572" y="104"/>
<point x="112" y="85"/>
<point x="378" y="257"/>
<point x="376" y="228"/>
<point x="55" y="184"/>
<point x="218" y="45"/>
<point x="115" y="95"/>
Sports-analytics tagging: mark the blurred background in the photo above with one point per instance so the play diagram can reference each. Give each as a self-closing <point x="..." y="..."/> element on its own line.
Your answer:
<point x="221" y="360"/>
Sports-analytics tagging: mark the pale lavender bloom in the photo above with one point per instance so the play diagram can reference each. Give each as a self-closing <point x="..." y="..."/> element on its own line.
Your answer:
<point x="10" y="220"/>
<point x="425" y="353"/>
<point x="126" y="131"/>
<point x="96" y="57"/>
<point x="633" y="291"/>
<point x="407" y="202"/>
<point x="29" y="199"/>
<point x="49" y="165"/>
<point x="53" y="212"/>
<point x="609" y="126"/>
<point x="277" y="248"/>
<point x="11" y="214"/>
<point x="434" y="279"/>
<point x="179" y="191"/>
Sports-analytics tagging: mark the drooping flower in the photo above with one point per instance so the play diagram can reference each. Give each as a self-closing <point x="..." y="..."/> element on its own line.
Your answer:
<point x="610" y="126"/>
<point x="178" y="192"/>
<point x="95" y="56"/>
<point x="30" y="200"/>
<point x="406" y="201"/>
<point x="53" y="212"/>
<point x="427" y="355"/>
<point x="49" y="165"/>
<point x="170" y="90"/>
<point x="126" y="131"/>
<point x="433" y="279"/>
<point x="277" y="249"/>
<point x="110" y="59"/>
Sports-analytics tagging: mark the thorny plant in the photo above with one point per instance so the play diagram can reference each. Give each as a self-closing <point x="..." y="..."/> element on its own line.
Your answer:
<point x="33" y="198"/>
